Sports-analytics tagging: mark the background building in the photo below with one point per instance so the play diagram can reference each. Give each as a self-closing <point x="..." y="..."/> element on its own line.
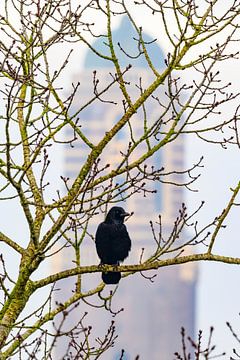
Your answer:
<point x="153" y="313"/>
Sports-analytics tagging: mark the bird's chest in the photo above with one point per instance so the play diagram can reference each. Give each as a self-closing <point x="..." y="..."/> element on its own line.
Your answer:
<point x="112" y="242"/>
<point x="115" y="234"/>
<point x="120" y="243"/>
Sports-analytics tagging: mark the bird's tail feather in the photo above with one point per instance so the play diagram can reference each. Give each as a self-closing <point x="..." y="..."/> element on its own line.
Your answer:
<point x="111" y="277"/>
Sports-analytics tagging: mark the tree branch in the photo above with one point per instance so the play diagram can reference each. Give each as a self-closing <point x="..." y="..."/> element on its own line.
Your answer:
<point x="157" y="264"/>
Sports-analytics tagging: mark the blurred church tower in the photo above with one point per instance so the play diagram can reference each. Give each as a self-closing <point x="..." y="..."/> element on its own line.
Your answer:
<point x="153" y="313"/>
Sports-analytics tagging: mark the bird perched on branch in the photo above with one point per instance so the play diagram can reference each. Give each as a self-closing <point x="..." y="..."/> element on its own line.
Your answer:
<point x="113" y="242"/>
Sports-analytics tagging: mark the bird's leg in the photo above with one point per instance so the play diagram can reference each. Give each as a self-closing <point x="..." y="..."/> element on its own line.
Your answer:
<point x="116" y="265"/>
<point x="101" y="265"/>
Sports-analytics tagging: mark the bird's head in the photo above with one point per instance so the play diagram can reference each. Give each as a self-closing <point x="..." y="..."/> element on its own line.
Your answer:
<point x="116" y="215"/>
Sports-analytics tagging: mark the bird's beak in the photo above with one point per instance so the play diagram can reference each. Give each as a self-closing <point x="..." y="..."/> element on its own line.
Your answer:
<point x="125" y="214"/>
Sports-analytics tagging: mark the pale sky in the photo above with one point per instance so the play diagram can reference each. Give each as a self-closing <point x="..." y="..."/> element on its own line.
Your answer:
<point x="218" y="289"/>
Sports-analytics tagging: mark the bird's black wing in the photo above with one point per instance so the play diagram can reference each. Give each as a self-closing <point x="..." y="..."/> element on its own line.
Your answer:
<point x="121" y="242"/>
<point x="104" y="244"/>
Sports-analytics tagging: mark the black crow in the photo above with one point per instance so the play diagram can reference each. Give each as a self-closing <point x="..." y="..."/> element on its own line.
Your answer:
<point x="113" y="242"/>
